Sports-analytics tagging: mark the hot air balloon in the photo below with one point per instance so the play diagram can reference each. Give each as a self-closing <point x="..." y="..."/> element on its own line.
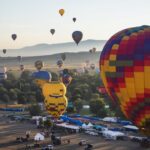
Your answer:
<point x="125" y="71"/>
<point x="39" y="64"/>
<point x="87" y="62"/>
<point x="92" y="66"/>
<point x="14" y="36"/>
<point x="19" y="58"/>
<point x="52" y="31"/>
<point x="3" y="72"/>
<point x="74" y="19"/>
<point x="61" y="12"/>
<point x="59" y="63"/>
<point x="41" y="77"/>
<point x="91" y="51"/>
<point x="54" y="98"/>
<point x="63" y="56"/>
<point x="77" y="36"/>
<point x="66" y="77"/>
<point x="94" y="49"/>
<point x="4" y="51"/>
<point x="21" y="67"/>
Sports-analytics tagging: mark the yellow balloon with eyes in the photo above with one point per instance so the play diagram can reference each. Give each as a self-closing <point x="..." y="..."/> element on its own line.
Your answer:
<point x="55" y="99"/>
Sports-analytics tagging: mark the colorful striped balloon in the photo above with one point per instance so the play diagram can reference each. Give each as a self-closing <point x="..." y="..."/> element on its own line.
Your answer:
<point x="125" y="71"/>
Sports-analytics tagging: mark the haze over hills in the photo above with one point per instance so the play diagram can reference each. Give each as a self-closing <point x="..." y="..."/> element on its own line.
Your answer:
<point x="72" y="59"/>
<point x="51" y="53"/>
<point x="49" y="49"/>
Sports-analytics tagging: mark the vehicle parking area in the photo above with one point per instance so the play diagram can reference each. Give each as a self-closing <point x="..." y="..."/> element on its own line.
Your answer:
<point x="9" y="131"/>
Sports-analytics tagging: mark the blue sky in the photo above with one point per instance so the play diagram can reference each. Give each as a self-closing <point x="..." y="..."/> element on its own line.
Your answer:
<point x="97" y="19"/>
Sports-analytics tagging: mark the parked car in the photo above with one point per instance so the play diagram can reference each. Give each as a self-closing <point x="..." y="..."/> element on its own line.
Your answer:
<point x="49" y="147"/>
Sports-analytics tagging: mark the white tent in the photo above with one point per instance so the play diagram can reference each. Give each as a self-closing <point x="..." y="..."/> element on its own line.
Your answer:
<point x="84" y="126"/>
<point x="110" y="119"/>
<point x="65" y="125"/>
<point x="90" y="125"/>
<point x="112" y="134"/>
<point x="39" y="137"/>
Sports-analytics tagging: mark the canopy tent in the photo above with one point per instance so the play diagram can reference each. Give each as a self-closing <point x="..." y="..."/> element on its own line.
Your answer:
<point x="110" y="119"/>
<point x="124" y="122"/>
<point x="73" y="121"/>
<point x="69" y="126"/>
<point x="90" y="125"/>
<point x="39" y="137"/>
<point x="84" y="126"/>
<point x="112" y="134"/>
<point x="99" y="127"/>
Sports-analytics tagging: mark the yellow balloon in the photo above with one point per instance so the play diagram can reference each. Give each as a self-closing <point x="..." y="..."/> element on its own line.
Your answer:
<point x="55" y="99"/>
<point x="61" y="12"/>
<point x="40" y="82"/>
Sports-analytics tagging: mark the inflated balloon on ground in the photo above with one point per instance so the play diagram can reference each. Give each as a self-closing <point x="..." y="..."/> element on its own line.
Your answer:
<point x="125" y="71"/>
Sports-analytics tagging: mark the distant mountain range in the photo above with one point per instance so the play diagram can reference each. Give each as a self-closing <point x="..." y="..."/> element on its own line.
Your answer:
<point x="50" y="53"/>
<point x="49" y="49"/>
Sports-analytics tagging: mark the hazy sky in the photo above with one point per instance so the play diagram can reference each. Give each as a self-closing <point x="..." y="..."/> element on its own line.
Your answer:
<point x="97" y="19"/>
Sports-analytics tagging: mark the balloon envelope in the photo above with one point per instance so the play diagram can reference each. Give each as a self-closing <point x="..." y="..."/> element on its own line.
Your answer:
<point x="52" y="31"/>
<point x="14" y="36"/>
<point x="61" y="12"/>
<point x="92" y="66"/>
<point x="63" y="56"/>
<point x="66" y="77"/>
<point x="22" y="67"/>
<point x="59" y="63"/>
<point x="41" y="77"/>
<point x="39" y="64"/>
<point x="125" y="71"/>
<point x="3" y="72"/>
<point x="74" y="19"/>
<point x="19" y="58"/>
<point x="77" y="36"/>
<point x="55" y="99"/>
<point x="90" y="50"/>
<point x="4" y="51"/>
<point x="94" y="49"/>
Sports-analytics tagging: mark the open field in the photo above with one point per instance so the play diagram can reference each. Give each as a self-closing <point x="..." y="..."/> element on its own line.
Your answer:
<point x="9" y="132"/>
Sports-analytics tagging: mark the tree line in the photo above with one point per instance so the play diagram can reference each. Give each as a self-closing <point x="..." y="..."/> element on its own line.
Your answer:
<point x="83" y="90"/>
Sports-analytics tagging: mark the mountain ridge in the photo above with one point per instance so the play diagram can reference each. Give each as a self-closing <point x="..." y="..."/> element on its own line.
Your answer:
<point x="49" y="49"/>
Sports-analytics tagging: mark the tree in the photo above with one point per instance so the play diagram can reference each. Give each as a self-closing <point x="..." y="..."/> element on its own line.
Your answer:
<point x="97" y="107"/>
<point x="54" y="76"/>
<point x="6" y="99"/>
<point x="48" y="124"/>
<point x="22" y="99"/>
<point x="26" y="75"/>
<point x="78" y="105"/>
<point x="35" y="110"/>
<point x="11" y="76"/>
<point x="13" y="94"/>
